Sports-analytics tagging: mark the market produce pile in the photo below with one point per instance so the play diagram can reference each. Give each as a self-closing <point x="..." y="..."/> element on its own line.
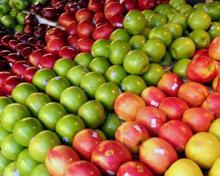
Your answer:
<point x="126" y="88"/>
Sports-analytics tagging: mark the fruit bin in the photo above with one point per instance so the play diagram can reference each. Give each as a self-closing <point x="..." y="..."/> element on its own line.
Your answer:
<point x="109" y="87"/>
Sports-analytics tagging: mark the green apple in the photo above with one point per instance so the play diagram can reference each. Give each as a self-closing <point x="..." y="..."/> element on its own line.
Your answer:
<point x="157" y="20"/>
<point x="68" y="126"/>
<point x="167" y="60"/>
<point x="4" y="7"/>
<point x="137" y="41"/>
<point x="146" y="32"/>
<point x="41" y="144"/>
<point x="50" y="113"/>
<point x="3" y="134"/>
<point x="19" y="28"/>
<point x="115" y="74"/>
<point x="62" y="66"/>
<point x="120" y="34"/>
<point x="176" y="3"/>
<point x="161" y="7"/>
<point x="25" y="129"/>
<point x="21" y="17"/>
<point x="4" y="101"/>
<point x="107" y="93"/>
<point x="214" y="30"/>
<point x="100" y="48"/>
<point x="175" y="28"/>
<point x="14" y="13"/>
<point x="201" y="38"/>
<point x="4" y="162"/>
<point x="153" y="74"/>
<point x="83" y="59"/>
<point x="200" y="6"/>
<point x="118" y="50"/>
<point x="152" y="45"/>
<point x="11" y="170"/>
<point x="147" y="15"/>
<point x="133" y="83"/>
<point x="75" y="74"/>
<point x="185" y="9"/>
<point x="56" y="86"/>
<point x="8" y="21"/>
<point x="213" y="9"/>
<point x="20" y="4"/>
<point x="99" y="65"/>
<point x="1" y="15"/>
<point x="72" y="98"/>
<point x="92" y="113"/>
<point x="180" y="67"/>
<point x="179" y="18"/>
<point x="39" y="170"/>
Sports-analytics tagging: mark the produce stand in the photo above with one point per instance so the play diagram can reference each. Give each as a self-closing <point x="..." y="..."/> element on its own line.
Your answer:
<point x="109" y="87"/>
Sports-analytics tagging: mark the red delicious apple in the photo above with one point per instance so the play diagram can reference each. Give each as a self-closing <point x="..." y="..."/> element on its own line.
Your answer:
<point x="4" y="53"/>
<point x="65" y="19"/>
<point x="67" y="52"/>
<point x="153" y="96"/>
<point x="28" y="74"/>
<point x="36" y="56"/>
<point x="109" y="1"/>
<point x="12" y="44"/>
<point x="19" y="67"/>
<point x="110" y="155"/>
<point x="54" y="33"/>
<point x="81" y="168"/>
<point x="95" y="5"/>
<point x="12" y="58"/>
<point x="20" y="46"/>
<point x="132" y="134"/>
<point x="127" y="105"/>
<point x="60" y="6"/>
<point x="31" y="41"/>
<point x="54" y="45"/>
<point x="173" y="107"/>
<point x="28" y="29"/>
<point x="177" y="133"/>
<point x="83" y="14"/>
<point x="214" y="49"/>
<point x="199" y="119"/>
<point x="157" y="154"/>
<point x="216" y="84"/>
<point x="102" y="32"/>
<point x="134" y="168"/>
<point x="112" y="9"/>
<point x="201" y="69"/>
<point x="85" y="28"/>
<point x="49" y="13"/>
<point x="84" y="44"/>
<point x="58" y="158"/>
<point x="152" y="118"/>
<point x="129" y="4"/>
<point x="6" y="39"/>
<point x="71" y="28"/>
<point x="99" y="18"/>
<point x="31" y="20"/>
<point x="212" y="103"/>
<point x="26" y="52"/>
<point x="72" y="40"/>
<point x="201" y="52"/>
<point x="146" y="4"/>
<point x="71" y="7"/>
<point x="3" y="76"/>
<point x="170" y="84"/>
<point x="193" y="93"/>
<point x="47" y="61"/>
<point x="10" y="83"/>
<point x="85" y="141"/>
<point x="117" y="21"/>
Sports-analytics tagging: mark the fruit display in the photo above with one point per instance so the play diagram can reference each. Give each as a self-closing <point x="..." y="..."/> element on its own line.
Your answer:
<point x="109" y="87"/>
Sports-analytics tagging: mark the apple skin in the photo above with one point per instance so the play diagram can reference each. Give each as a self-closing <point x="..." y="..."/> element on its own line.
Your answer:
<point x="177" y="133"/>
<point x="212" y="103"/>
<point x="99" y="18"/>
<point x="48" y="61"/>
<point x="36" y="56"/>
<point x="214" y="49"/>
<point x="127" y="105"/>
<point x="131" y="134"/>
<point x="152" y="96"/>
<point x="19" y="67"/>
<point x="201" y="69"/>
<point x="83" y="168"/>
<point x="84" y="44"/>
<point x="173" y="107"/>
<point x="72" y="41"/>
<point x="95" y="5"/>
<point x="54" y="33"/>
<point x="12" y="44"/>
<point x="214" y="128"/>
<point x="216" y="84"/>
<point x="65" y="19"/>
<point x="193" y="93"/>
<point x="156" y="150"/>
<point x="201" y="52"/>
<point x="3" y="76"/>
<point x="199" y="119"/>
<point x="85" y="141"/>
<point x="12" y="58"/>
<point x="67" y="52"/>
<point x="83" y="14"/>
<point x="10" y="83"/>
<point x="109" y="155"/>
<point x="54" y="45"/>
<point x="217" y="66"/>
<point x="112" y="9"/>
<point x="58" y="158"/>
<point x="129" y="4"/>
<point x="71" y="28"/>
<point x="84" y="28"/>
<point x="102" y="32"/>
<point x="214" y="171"/>
<point x="152" y="118"/>
<point x="146" y="4"/>
<point x="170" y="84"/>
<point x="29" y="73"/>
<point x="134" y="168"/>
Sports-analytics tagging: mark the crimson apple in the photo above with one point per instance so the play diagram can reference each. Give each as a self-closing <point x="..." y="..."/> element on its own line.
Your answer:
<point x="83" y="14"/>
<point x="216" y="84"/>
<point x="67" y="52"/>
<point x="12" y="44"/>
<point x="71" y="7"/>
<point x="54" y="45"/>
<point x="129" y="4"/>
<point x="29" y="73"/>
<point x="19" y="67"/>
<point x="3" y="76"/>
<point x="47" y="61"/>
<point x="20" y="46"/>
<point x="201" y="52"/>
<point x="71" y="28"/>
<point x="112" y="9"/>
<point x="117" y="21"/>
<point x="49" y="13"/>
<point x="102" y="32"/>
<point x="146" y="4"/>
<point x="99" y="18"/>
<point x="84" y="28"/>
<point x="26" y="52"/>
<point x="36" y="56"/>
<point x="65" y="19"/>
<point x="54" y="33"/>
<point x="84" y="44"/>
<point x="10" y="83"/>
<point x="72" y="40"/>
<point x="214" y="49"/>
<point x="6" y="39"/>
<point x="95" y="5"/>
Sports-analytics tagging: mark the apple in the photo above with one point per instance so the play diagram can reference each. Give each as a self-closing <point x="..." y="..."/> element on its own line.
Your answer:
<point x="100" y="48"/>
<point x="19" y="67"/>
<point x="71" y="7"/>
<point x="72" y="41"/>
<point x="29" y="74"/>
<point x="132" y="134"/>
<point x="54" y="33"/>
<point x="84" y="28"/>
<point x="26" y="52"/>
<point x="117" y="21"/>
<point x="47" y="61"/>
<point x="12" y="57"/>
<point x="6" y="39"/>
<point x="10" y="83"/>
<point x="40" y="169"/>
<point x="156" y="150"/>
<point x="65" y="19"/>
<point x="127" y="105"/>
<point x="54" y="45"/>
<point x="83" y="14"/>
<point x="71" y="28"/>
<point x="49" y="13"/>
<point x="95" y="5"/>
<point x="214" y="49"/>
<point x="201" y="52"/>
<point x="112" y="9"/>
<point x="85" y="141"/>
<point x="214" y="128"/>
<point x="4" y="163"/>
<point x="193" y="93"/>
<point x="216" y="84"/>
<point x="110" y="155"/>
<point x="129" y="4"/>
<point x="103" y="31"/>
<point x="84" y="44"/>
<point x="12" y="44"/>
<point x="149" y="4"/>
<point x="217" y="66"/>
<point x="67" y="52"/>
<point x="3" y="76"/>
<point x="58" y="158"/>
<point x="99" y="65"/>
<point x="208" y="146"/>
<point x="177" y="133"/>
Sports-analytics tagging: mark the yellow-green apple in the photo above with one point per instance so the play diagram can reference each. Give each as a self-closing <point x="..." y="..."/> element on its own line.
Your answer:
<point x="214" y="128"/>
<point x="214" y="49"/>
<point x="216" y="84"/>
<point x="214" y="171"/>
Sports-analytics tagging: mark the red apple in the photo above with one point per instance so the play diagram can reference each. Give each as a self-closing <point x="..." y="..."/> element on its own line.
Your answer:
<point x="129" y="4"/>
<point x="152" y="118"/>
<point x="193" y="93"/>
<point x="212" y="103"/>
<point x="72" y="40"/>
<point x="112" y="9"/>
<point x="4" y="52"/>
<point x="20" y="46"/>
<point x="199" y="119"/>
<point x="6" y="39"/>
<point x="26" y="52"/>
<point x="153" y="96"/>
<point x="3" y="76"/>
<point x="28" y="29"/>
<point x="99" y="18"/>
<point x="109" y="1"/>
<point x="170" y="84"/>
<point x="201" y="52"/>
<point x="214" y="49"/>
<point x="58" y="158"/>
<point x="110" y="155"/>
<point x="47" y="61"/>
<point x="49" y="13"/>
<point x="19" y="67"/>
<point x="102" y="32"/>
<point x="157" y="154"/>
<point x="81" y="168"/>
<point x="36" y="56"/>
<point x="12" y="58"/>
<point x="55" y="33"/>
<point x="54" y="45"/>
<point x="217" y="66"/>
<point x="132" y="134"/>
<point x="83" y="14"/>
<point x="28" y="74"/>
<point x="95" y="5"/>
<point x="134" y="168"/>
<point x="173" y="107"/>
<point x="146" y="4"/>
<point x="117" y="21"/>
<point x="53" y="2"/>
<point x="67" y="52"/>
<point x="85" y="141"/>
<point x="84" y="44"/>
<point x="71" y="28"/>
<point x="10" y="83"/>
<point x="85" y="28"/>
<point x="216" y="84"/>
<point x="65" y="19"/>
<point x="71" y="7"/>
<point x="12" y="44"/>
<point x="177" y="133"/>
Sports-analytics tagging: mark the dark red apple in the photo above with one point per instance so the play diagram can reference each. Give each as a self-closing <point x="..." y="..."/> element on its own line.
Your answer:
<point x="85" y="28"/>
<point x="12" y="58"/>
<point x="37" y="8"/>
<point x="72" y="40"/>
<point x="49" y="13"/>
<point x="55" y="33"/>
<point x="71" y="7"/>
<point x="99" y="18"/>
<point x="3" y="76"/>
<point x="117" y="21"/>
<point x="67" y="52"/>
<point x="10" y="83"/>
<point x="36" y="56"/>
<point x="65" y="19"/>
<point x="84" y="44"/>
<point x="19" y="67"/>
<point x="54" y="45"/>
<point x="31" y="19"/>
<point x="29" y="73"/>
<point x="5" y="53"/>
<point x="83" y="14"/>
<point x="146" y="4"/>
<point x="71" y="28"/>
<point x="47" y="61"/>
<point x="95" y="5"/>
<point x="4" y="65"/>
<point x="102" y="32"/>
<point x="6" y="39"/>
<point x="129" y="4"/>
<point x="112" y="9"/>
<point x="12" y="44"/>
<point x="20" y="46"/>
<point x="26" y="52"/>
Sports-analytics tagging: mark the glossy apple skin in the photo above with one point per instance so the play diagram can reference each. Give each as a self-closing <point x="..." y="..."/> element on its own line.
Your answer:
<point x="72" y="41"/>
<point x="83" y="168"/>
<point x="3" y="76"/>
<point x="95" y="5"/>
<point x="134" y="168"/>
<point x="214" y="49"/>
<point x="85" y="141"/>
<point x="173" y="107"/>
<point x="127" y="105"/>
<point x="99" y="18"/>
<point x="177" y="133"/>
<point x="71" y="28"/>
<point x="58" y="158"/>
<point x="152" y="118"/>
<point x="156" y="150"/>
<point x="84" y="28"/>
<point x="152" y="96"/>
<point x="212" y="103"/>
<point x="216" y="84"/>
<point x="110" y="155"/>
<point x="84" y="44"/>
<point x="113" y="9"/>
<point x="146" y="4"/>
<point x="201" y="52"/>
<point x="217" y="66"/>
<point x="54" y="45"/>
<point x="117" y="21"/>
<point x="54" y="33"/>
<point x="10" y="83"/>
<point x="83" y="14"/>
<point x="131" y="134"/>
<point x="65" y="19"/>
<point x="199" y="119"/>
<point x="170" y="84"/>
<point x="102" y="32"/>
<point x="19" y="67"/>
<point x="201" y="69"/>
<point x="36" y="56"/>
<point x="129" y="4"/>
<point x="67" y="52"/>
<point x="48" y="61"/>
<point x="193" y="93"/>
